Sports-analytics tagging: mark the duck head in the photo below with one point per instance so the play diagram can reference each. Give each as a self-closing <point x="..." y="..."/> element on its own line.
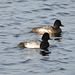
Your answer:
<point x="57" y="24"/>
<point x="45" y="37"/>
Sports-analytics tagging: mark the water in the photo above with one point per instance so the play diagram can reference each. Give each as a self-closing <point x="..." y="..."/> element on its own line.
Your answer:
<point x="17" y="18"/>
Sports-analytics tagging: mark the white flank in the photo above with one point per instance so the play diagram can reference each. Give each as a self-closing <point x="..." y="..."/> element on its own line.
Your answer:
<point x="44" y="30"/>
<point x="33" y="44"/>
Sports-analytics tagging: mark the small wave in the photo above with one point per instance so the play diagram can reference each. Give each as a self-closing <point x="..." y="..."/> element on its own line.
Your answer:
<point x="8" y="64"/>
<point x="65" y="4"/>
<point x="8" y="2"/>
<point x="4" y="6"/>
<point x="48" y="5"/>
<point x="63" y="13"/>
<point x="27" y="12"/>
<point x="26" y="61"/>
<point x="41" y="17"/>
<point x="62" y="69"/>
<point x="36" y="10"/>
<point x="3" y="35"/>
<point x="17" y="35"/>
<point x="46" y="9"/>
<point x="22" y="1"/>
<point x="2" y="26"/>
<point x="5" y="42"/>
<point x="66" y="50"/>
<point x="53" y="18"/>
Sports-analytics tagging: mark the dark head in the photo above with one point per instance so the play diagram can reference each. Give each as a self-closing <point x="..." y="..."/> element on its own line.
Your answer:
<point x="57" y="24"/>
<point x="45" y="37"/>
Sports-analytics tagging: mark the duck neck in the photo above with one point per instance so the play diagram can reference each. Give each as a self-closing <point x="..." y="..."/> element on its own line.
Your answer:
<point x="56" y="27"/>
<point x="44" y="40"/>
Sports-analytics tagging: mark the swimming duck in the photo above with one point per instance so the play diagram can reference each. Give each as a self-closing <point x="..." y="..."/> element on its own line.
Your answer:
<point x="36" y="43"/>
<point x="49" y="29"/>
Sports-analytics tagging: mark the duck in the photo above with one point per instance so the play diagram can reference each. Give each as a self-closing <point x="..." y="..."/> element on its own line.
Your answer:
<point x="49" y="29"/>
<point x="43" y="44"/>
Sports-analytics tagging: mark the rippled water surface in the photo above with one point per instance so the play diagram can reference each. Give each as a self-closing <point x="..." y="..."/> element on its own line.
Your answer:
<point x="17" y="18"/>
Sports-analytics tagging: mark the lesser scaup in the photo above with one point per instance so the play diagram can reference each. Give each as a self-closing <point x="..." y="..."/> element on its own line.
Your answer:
<point x="49" y="29"/>
<point x="37" y="43"/>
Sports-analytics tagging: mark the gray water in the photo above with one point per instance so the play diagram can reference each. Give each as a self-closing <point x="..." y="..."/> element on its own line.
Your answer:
<point x="17" y="18"/>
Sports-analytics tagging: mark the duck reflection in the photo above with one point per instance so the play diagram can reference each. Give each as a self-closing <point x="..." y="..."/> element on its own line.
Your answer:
<point x="45" y="52"/>
<point x="57" y="36"/>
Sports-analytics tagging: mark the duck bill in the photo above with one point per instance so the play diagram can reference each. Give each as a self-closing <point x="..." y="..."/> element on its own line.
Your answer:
<point x="62" y="25"/>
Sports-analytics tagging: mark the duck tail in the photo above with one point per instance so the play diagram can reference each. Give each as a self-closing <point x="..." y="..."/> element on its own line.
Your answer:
<point x="33" y="30"/>
<point x="21" y="45"/>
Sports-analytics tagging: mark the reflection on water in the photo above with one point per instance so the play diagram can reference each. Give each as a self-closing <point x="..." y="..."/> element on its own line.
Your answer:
<point x="45" y="52"/>
<point x="57" y="36"/>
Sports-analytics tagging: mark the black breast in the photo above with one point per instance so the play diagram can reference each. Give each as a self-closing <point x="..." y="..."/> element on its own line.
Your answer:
<point x="44" y="45"/>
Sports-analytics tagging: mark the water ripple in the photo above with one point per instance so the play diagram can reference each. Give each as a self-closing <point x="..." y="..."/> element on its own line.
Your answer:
<point x="27" y="61"/>
<point x="4" y="7"/>
<point x="22" y="1"/>
<point x="28" y="11"/>
<point x="62" y="69"/>
<point x="8" y="64"/>
<point x="36" y="10"/>
<point x="2" y="26"/>
<point x="9" y="2"/>
<point x="5" y="42"/>
<point x="17" y="35"/>
<point x="46" y="9"/>
<point x="63" y="13"/>
<point x="48" y="5"/>
<point x="59" y="61"/>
